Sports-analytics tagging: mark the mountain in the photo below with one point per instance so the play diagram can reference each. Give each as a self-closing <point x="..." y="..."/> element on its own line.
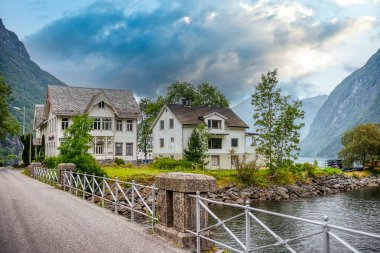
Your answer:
<point x="27" y="80"/>
<point x="309" y="105"/>
<point x="354" y="101"/>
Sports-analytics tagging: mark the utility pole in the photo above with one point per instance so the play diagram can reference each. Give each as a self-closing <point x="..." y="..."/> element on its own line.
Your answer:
<point x="30" y="148"/>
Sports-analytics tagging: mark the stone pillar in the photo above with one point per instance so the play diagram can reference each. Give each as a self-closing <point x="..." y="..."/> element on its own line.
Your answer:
<point x="176" y="209"/>
<point x="64" y="167"/>
<point x="32" y="166"/>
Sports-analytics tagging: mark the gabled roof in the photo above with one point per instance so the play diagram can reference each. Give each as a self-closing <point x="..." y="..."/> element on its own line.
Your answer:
<point x="193" y="115"/>
<point x="38" y="115"/>
<point x="66" y="100"/>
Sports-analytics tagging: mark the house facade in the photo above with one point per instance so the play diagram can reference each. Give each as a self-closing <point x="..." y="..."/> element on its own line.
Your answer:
<point x="115" y="114"/>
<point x="175" y="123"/>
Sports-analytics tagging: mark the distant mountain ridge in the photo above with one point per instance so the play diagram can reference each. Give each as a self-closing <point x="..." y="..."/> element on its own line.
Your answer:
<point x="310" y="105"/>
<point x="354" y="101"/>
<point x="27" y="80"/>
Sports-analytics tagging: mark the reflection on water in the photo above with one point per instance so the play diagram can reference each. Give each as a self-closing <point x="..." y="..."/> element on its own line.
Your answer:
<point x="358" y="209"/>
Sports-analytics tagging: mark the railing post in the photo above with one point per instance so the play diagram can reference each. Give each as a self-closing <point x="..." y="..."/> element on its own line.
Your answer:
<point x="133" y="201"/>
<point x="76" y="185"/>
<point x="326" y="236"/>
<point x="103" y="189"/>
<point x="92" y="187"/>
<point x="198" y="222"/>
<point x="64" y="180"/>
<point x="71" y="181"/>
<point x="247" y="228"/>
<point x="84" y="184"/>
<point x="153" y="204"/>
<point x="116" y="193"/>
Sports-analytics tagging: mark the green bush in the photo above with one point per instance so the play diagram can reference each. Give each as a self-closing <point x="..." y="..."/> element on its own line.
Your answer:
<point x="88" y="164"/>
<point x="51" y="162"/>
<point x="171" y="164"/>
<point x="284" y="177"/>
<point x="1" y="163"/>
<point x="119" y="161"/>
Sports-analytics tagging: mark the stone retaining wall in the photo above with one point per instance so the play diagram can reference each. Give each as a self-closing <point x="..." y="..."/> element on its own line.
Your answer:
<point x="321" y="186"/>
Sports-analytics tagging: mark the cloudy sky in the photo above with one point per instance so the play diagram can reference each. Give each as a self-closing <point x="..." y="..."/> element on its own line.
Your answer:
<point x="146" y="45"/>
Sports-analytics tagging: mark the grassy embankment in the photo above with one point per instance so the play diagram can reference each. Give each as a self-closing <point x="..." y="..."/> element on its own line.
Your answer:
<point x="145" y="174"/>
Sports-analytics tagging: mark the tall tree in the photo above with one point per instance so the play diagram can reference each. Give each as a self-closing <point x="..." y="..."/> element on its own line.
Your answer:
<point x="208" y="95"/>
<point x="8" y="124"/>
<point x="361" y="144"/>
<point x="275" y="121"/>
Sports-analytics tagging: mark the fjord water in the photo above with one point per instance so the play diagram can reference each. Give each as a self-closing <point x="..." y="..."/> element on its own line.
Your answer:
<point x="357" y="209"/>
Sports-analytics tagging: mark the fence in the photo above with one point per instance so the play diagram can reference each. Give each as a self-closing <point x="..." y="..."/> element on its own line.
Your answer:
<point x="136" y="198"/>
<point x="248" y="213"/>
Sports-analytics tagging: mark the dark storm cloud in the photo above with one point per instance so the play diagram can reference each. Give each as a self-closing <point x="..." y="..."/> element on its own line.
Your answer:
<point x="147" y="50"/>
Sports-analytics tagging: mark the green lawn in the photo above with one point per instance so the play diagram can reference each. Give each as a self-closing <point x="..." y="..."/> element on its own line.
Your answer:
<point x="146" y="174"/>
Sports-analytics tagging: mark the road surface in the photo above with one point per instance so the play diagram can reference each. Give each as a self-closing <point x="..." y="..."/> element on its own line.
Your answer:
<point x="35" y="217"/>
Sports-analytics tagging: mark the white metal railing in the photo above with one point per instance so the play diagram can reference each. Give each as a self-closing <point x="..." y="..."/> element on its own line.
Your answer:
<point x="130" y="195"/>
<point x="46" y="174"/>
<point x="248" y="213"/>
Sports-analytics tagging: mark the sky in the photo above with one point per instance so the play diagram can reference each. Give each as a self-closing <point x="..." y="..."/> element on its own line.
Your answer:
<point x="146" y="45"/>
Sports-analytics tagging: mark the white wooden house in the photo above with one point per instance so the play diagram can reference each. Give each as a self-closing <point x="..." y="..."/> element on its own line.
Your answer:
<point x="174" y="124"/>
<point x="115" y="114"/>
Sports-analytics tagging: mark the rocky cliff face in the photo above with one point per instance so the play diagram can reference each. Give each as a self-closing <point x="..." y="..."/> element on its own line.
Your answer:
<point x="354" y="101"/>
<point x="27" y="80"/>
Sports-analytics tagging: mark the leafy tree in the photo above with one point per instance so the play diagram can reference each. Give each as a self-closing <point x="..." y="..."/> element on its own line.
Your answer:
<point x="361" y="144"/>
<point x="76" y="145"/>
<point x="275" y="121"/>
<point x="26" y="140"/>
<point x="202" y="95"/>
<point x="8" y="124"/>
<point x="197" y="146"/>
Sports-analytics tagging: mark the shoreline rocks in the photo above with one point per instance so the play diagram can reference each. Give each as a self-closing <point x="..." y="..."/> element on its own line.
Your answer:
<point x="318" y="187"/>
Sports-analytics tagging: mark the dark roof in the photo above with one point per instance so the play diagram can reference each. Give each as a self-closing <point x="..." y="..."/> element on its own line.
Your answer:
<point x="38" y="115"/>
<point x="66" y="100"/>
<point x="192" y="115"/>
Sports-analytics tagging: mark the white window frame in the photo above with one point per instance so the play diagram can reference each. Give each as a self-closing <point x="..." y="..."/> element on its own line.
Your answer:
<point x="119" y="125"/>
<point x="215" y="160"/>
<point x="65" y="123"/>
<point x="129" y="125"/>
<point x="128" y="148"/>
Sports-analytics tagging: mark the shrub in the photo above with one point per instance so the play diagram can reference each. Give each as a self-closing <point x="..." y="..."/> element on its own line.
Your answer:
<point x="88" y="164"/>
<point x="171" y="164"/>
<point x="51" y="162"/>
<point x="119" y="161"/>
<point x="129" y="165"/>
<point x="283" y="177"/>
<point x="1" y="163"/>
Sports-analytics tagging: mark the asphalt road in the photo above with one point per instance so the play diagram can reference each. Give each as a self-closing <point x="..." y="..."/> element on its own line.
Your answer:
<point x="36" y="217"/>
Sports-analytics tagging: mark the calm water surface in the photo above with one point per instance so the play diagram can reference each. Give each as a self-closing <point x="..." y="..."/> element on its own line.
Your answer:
<point x="357" y="209"/>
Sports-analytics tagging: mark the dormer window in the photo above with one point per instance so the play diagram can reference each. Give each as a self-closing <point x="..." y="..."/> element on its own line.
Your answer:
<point x="214" y="124"/>
<point x="101" y="104"/>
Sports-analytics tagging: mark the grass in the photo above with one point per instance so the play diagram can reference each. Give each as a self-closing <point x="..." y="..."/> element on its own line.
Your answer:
<point x="145" y="174"/>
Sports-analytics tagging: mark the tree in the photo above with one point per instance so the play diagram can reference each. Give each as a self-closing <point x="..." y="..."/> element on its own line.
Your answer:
<point x="8" y="124"/>
<point x="76" y="145"/>
<point x="202" y="95"/>
<point x="275" y="121"/>
<point x="361" y="144"/>
<point x="197" y="146"/>
<point x="26" y="140"/>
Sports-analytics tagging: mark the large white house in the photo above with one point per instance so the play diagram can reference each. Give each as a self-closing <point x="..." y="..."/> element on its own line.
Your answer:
<point x="174" y="124"/>
<point x="115" y="114"/>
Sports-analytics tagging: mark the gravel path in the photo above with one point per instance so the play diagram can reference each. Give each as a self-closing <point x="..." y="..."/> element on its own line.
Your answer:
<point x="35" y="217"/>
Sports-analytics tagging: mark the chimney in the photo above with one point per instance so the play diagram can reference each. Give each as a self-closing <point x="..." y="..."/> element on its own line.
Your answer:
<point x="186" y="102"/>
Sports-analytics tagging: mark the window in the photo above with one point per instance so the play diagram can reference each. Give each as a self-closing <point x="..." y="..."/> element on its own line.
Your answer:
<point x="129" y="125"/>
<point x="129" y="149"/>
<point x="214" y="124"/>
<point x="172" y="156"/>
<point x="234" y="142"/>
<point x="215" y="143"/>
<point x="65" y="123"/>
<point x="162" y="143"/>
<point x="98" y="149"/>
<point x="119" y="149"/>
<point x="171" y="123"/>
<point x="119" y="125"/>
<point x="96" y="124"/>
<point x="101" y="104"/>
<point x="172" y="139"/>
<point x="215" y="161"/>
<point x="162" y="124"/>
<point x="107" y="124"/>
